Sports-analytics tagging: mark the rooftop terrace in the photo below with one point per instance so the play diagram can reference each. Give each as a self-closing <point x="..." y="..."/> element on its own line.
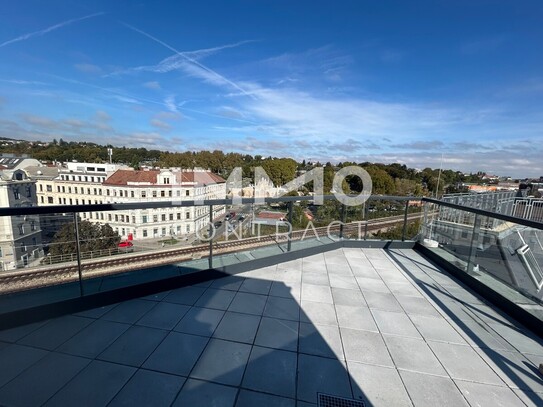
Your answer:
<point x="383" y="326"/>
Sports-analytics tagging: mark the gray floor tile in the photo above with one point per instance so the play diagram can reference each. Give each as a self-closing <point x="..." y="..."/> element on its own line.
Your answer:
<point x="431" y="391"/>
<point x="92" y="340"/>
<point x="413" y="354"/>
<point x="164" y="315"/>
<point x="271" y="371"/>
<point x="513" y="369"/>
<point x="316" y="278"/>
<point x="147" y="388"/>
<point x="199" y="393"/>
<point x="96" y="312"/>
<point x="382" y="301"/>
<point x="248" y="303"/>
<point x="355" y="318"/>
<point x="128" y="312"/>
<point x="185" y="295"/>
<point x="404" y="288"/>
<point x="200" y="321"/>
<point x="380" y="386"/>
<point x="395" y="323"/>
<point x="238" y="327"/>
<point x="177" y="354"/>
<point x="217" y="299"/>
<point x="364" y="346"/>
<point x="278" y="334"/>
<point x="521" y="340"/>
<point x="16" y="358"/>
<point x="436" y="329"/>
<point x="256" y="286"/>
<point x="232" y="283"/>
<point x="477" y="333"/>
<point x="320" y="340"/>
<point x="462" y="362"/>
<point x="417" y="306"/>
<point x="479" y="394"/>
<point x="316" y="293"/>
<point x="134" y="346"/>
<point x="56" y="332"/>
<point x="282" y="308"/>
<point x="157" y="296"/>
<point x="38" y="383"/>
<point x="95" y="385"/>
<point x="372" y="285"/>
<point x="364" y="270"/>
<point x="286" y="290"/>
<point x="318" y="313"/>
<point x="343" y="281"/>
<point x="344" y="296"/>
<point x="529" y="398"/>
<point x="249" y="398"/>
<point x="321" y="375"/>
<point x="222" y="362"/>
<point x="14" y="334"/>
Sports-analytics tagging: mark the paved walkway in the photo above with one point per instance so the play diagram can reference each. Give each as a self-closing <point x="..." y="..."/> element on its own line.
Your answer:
<point x="381" y="326"/>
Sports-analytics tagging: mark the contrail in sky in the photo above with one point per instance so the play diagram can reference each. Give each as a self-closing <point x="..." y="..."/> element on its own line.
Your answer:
<point x="48" y="29"/>
<point x="192" y="60"/>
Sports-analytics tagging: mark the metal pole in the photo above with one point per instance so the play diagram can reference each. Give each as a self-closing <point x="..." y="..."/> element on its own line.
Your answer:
<point x="78" y="253"/>
<point x="342" y="221"/>
<point x="474" y="242"/>
<point x="210" y="259"/>
<point x="290" y="213"/>
<point x="404" y="231"/>
<point x="366" y="219"/>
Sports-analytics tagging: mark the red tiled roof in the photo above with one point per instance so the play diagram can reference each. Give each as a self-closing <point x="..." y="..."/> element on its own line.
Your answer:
<point x="123" y="177"/>
<point x="271" y="215"/>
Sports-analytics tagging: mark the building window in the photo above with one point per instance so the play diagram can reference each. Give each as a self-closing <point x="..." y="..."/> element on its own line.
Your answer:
<point x="16" y="193"/>
<point x="144" y="232"/>
<point x="187" y="215"/>
<point x="107" y="192"/>
<point x="95" y="191"/>
<point x="32" y="226"/>
<point x="187" y="193"/>
<point x="109" y="217"/>
<point x="131" y="194"/>
<point x="163" y="217"/>
<point x="188" y="229"/>
<point x="166" y="180"/>
<point x="154" y="194"/>
<point x="178" y="215"/>
<point x="75" y="190"/>
<point x="116" y="218"/>
<point x="163" y="231"/>
<point x="163" y="193"/>
<point x="155" y="218"/>
<point x="50" y="199"/>
<point x="171" y="216"/>
<point x="88" y="191"/>
<point x="21" y="229"/>
<point x="49" y="188"/>
<point x="41" y="188"/>
<point x="155" y="232"/>
<point x="143" y="194"/>
<point x="41" y="199"/>
<point x="144" y="219"/>
<point x="71" y="202"/>
<point x="63" y="189"/>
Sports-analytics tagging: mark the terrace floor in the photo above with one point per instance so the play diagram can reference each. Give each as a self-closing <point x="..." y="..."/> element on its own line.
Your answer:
<point x="382" y="326"/>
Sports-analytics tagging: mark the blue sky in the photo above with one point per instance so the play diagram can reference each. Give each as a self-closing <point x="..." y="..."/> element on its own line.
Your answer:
<point x="382" y="81"/>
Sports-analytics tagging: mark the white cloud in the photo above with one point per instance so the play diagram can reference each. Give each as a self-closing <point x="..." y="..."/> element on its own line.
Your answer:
<point x="154" y="85"/>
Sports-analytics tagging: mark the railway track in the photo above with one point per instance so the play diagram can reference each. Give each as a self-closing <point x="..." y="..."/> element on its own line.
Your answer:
<point x="67" y="272"/>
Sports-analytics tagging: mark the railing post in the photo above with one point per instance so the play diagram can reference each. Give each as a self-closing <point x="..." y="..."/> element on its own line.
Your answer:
<point x="366" y="219"/>
<point x="290" y="214"/>
<point x="78" y="253"/>
<point x="210" y="259"/>
<point x="343" y="210"/>
<point x="404" y="231"/>
<point x="474" y="241"/>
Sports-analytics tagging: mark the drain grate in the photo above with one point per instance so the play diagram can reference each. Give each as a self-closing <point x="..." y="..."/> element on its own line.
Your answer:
<point x="326" y="400"/>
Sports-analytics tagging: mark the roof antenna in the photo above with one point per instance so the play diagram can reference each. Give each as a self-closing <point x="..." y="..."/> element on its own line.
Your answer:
<point x="439" y="175"/>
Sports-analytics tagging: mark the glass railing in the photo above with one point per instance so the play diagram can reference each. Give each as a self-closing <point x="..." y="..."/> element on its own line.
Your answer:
<point x="94" y="248"/>
<point x="504" y="253"/>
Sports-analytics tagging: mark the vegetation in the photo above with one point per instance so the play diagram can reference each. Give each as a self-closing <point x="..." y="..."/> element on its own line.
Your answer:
<point x="93" y="237"/>
<point x="388" y="179"/>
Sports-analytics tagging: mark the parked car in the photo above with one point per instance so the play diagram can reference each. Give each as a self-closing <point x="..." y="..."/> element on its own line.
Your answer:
<point x="126" y="246"/>
<point x="218" y="224"/>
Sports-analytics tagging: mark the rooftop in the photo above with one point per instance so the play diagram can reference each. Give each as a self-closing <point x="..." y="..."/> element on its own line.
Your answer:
<point x="383" y="326"/>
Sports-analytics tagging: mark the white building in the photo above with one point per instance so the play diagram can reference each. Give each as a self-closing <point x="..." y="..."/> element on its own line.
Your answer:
<point x="20" y="236"/>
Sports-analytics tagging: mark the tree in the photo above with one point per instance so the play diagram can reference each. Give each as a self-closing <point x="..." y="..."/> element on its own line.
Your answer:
<point x="92" y="236"/>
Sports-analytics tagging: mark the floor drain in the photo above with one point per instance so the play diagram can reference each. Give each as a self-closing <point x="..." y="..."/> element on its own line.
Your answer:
<point x="326" y="400"/>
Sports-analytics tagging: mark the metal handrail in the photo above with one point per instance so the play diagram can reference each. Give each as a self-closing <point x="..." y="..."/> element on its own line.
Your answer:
<point x="506" y="218"/>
